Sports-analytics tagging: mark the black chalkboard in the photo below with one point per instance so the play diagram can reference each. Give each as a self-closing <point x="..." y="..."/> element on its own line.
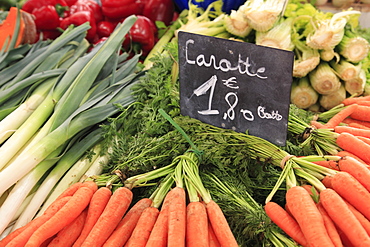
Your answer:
<point x="236" y="85"/>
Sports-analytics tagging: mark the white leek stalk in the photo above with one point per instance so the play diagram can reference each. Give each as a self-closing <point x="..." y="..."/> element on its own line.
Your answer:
<point x="356" y="86"/>
<point x="11" y="123"/>
<point x="302" y="93"/>
<point x="277" y="37"/>
<point x="262" y="14"/>
<point x="236" y="24"/>
<point x="329" y="32"/>
<point x="329" y="101"/>
<point x="323" y="79"/>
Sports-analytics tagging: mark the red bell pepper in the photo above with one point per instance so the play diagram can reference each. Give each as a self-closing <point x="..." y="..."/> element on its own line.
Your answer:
<point x="30" y="5"/>
<point x="159" y="10"/>
<point x="104" y="28"/>
<point x="120" y="9"/>
<point x="87" y="5"/>
<point x="142" y="33"/>
<point x="46" y="18"/>
<point x="79" y="18"/>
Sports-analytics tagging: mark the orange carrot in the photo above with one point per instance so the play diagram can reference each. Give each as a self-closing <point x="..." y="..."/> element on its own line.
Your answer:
<point x="70" y="211"/>
<point x="317" y="124"/>
<point x="196" y="225"/>
<point x="340" y="116"/>
<point x="352" y="191"/>
<point x="327" y="181"/>
<point x="351" y="120"/>
<point x="342" y="216"/>
<point x="70" y="190"/>
<point x="176" y="217"/>
<point x="364" y="139"/>
<point x="110" y="218"/>
<point x="285" y="221"/>
<point x="69" y="234"/>
<point x="220" y="225"/>
<point x="212" y="239"/>
<point x="352" y="130"/>
<point x="354" y="100"/>
<point x="126" y="226"/>
<point x="362" y="113"/>
<point x="357" y="169"/>
<point x="20" y="238"/>
<point x="143" y="228"/>
<point x="158" y="236"/>
<point x="309" y="218"/>
<point x="357" y="125"/>
<point x="96" y="207"/>
<point x="332" y="164"/>
<point x="360" y="217"/>
<point x="330" y="226"/>
<point x="346" y="153"/>
<point x="352" y="144"/>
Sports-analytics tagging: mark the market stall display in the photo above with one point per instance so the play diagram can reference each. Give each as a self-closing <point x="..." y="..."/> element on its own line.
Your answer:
<point x="94" y="145"/>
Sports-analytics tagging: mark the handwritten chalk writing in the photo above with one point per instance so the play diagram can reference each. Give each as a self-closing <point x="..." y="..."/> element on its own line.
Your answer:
<point x="243" y="67"/>
<point x="230" y="83"/>
<point x="230" y="112"/>
<point x="202" y="89"/>
<point x="247" y="114"/>
<point x="265" y="115"/>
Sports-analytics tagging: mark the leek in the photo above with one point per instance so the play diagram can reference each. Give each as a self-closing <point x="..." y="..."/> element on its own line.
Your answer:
<point x="323" y="79"/>
<point x="278" y="36"/>
<point x="329" y="31"/>
<point x="329" y="101"/>
<point x="236" y="24"/>
<point x="302" y="93"/>
<point x="262" y="15"/>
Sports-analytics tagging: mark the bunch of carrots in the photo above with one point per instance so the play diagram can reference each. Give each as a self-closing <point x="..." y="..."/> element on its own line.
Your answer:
<point x="338" y="214"/>
<point x="88" y="215"/>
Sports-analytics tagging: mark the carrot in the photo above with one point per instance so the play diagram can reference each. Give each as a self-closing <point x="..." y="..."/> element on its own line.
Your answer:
<point x="126" y="226"/>
<point x="220" y="225"/>
<point x="285" y="221"/>
<point x="70" y="190"/>
<point x="20" y="238"/>
<point x="158" y="236"/>
<point x="352" y="144"/>
<point x="346" y="153"/>
<point x="355" y="100"/>
<point x="364" y="139"/>
<point x="143" y="228"/>
<point x="110" y="218"/>
<point x="91" y="185"/>
<point x="47" y="241"/>
<point x="309" y="218"/>
<point x="212" y="239"/>
<point x="342" y="216"/>
<point x="345" y="239"/>
<point x="330" y="226"/>
<point x="332" y="164"/>
<point x="196" y="225"/>
<point x="340" y="116"/>
<point x="357" y="125"/>
<point x="351" y="120"/>
<point x="352" y="191"/>
<point x="357" y="169"/>
<point x="70" y="211"/>
<point x="7" y="28"/>
<point x="176" y="217"/>
<point x="352" y="130"/>
<point x="317" y="124"/>
<point x="96" y="207"/>
<point x="362" y="113"/>
<point x="360" y="217"/>
<point x="69" y="234"/>
<point x="327" y="181"/>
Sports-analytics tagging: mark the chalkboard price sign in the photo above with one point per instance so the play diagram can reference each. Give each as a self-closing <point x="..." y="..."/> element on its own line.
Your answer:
<point x="236" y="85"/>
